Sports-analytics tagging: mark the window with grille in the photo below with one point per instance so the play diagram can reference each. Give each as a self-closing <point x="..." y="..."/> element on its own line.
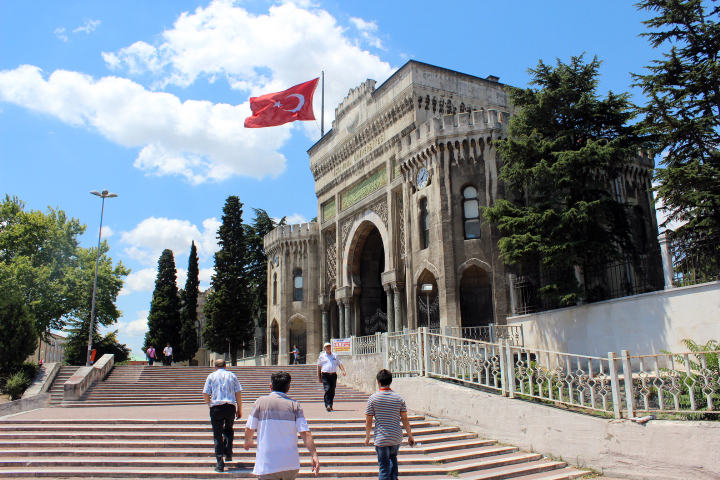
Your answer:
<point x="298" y="285"/>
<point x="471" y="212"/>
<point x="424" y="224"/>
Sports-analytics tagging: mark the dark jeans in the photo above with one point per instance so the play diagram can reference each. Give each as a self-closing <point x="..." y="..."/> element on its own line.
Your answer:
<point x="329" y="382"/>
<point x="387" y="462"/>
<point x="222" y="418"/>
<point x="151" y="360"/>
<point x="168" y="359"/>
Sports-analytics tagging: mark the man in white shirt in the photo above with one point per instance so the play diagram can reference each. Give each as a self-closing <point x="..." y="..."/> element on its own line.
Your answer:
<point x="278" y="419"/>
<point x="167" y="351"/>
<point x="328" y="363"/>
<point x="223" y="394"/>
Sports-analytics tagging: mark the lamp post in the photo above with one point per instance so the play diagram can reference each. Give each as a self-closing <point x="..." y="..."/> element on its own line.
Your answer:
<point x="104" y="194"/>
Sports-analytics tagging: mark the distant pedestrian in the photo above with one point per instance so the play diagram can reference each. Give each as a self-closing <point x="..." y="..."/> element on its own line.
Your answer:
<point x="167" y="351"/>
<point x="328" y="364"/>
<point x="389" y="411"/>
<point x="296" y="355"/>
<point x="278" y="419"/>
<point x="223" y="394"/>
<point x="151" y="355"/>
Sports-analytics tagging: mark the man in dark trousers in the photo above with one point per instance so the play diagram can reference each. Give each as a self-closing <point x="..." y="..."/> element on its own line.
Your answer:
<point x="328" y="363"/>
<point x="389" y="410"/>
<point x="223" y="394"/>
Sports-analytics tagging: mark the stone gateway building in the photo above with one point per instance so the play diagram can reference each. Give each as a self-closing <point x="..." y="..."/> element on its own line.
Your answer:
<point x="399" y="241"/>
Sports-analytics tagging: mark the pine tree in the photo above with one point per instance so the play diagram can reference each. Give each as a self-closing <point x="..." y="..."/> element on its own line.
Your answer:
<point x="683" y="112"/>
<point x="164" y="324"/>
<point x="257" y="268"/>
<point x="566" y="146"/>
<point x="228" y="311"/>
<point x="189" y="341"/>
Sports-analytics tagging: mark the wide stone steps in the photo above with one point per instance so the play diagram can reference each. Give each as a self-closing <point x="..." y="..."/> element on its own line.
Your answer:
<point x="56" y="389"/>
<point x="137" y="386"/>
<point x="127" y="448"/>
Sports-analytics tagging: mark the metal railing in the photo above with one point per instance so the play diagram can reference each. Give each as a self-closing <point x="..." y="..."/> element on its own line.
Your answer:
<point x="695" y="261"/>
<point x="513" y="334"/>
<point x="687" y="384"/>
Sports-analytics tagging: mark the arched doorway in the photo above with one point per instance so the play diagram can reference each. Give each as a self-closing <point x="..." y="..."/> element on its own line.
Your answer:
<point x="297" y="336"/>
<point x="372" y="303"/>
<point x="428" y="301"/>
<point x="274" y="343"/>
<point x="476" y="305"/>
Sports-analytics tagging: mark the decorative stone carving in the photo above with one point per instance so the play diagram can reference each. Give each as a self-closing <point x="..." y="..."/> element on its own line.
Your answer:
<point x="371" y="184"/>
<point x="381" y="210"/>
<point x="401" y="223"/>
<point x="330" y="256"/>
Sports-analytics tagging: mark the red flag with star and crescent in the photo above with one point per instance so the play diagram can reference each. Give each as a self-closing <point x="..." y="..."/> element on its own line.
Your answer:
<point x="279" y="108"/>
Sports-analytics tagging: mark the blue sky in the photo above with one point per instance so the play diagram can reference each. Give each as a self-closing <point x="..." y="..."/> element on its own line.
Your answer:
<point x="147" y="100"/>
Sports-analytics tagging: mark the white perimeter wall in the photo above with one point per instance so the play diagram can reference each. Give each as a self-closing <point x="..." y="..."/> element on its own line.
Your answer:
<point x="643" y="324"/>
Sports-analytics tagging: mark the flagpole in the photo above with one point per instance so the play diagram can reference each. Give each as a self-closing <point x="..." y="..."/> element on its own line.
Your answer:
<point x="322" y="107"/>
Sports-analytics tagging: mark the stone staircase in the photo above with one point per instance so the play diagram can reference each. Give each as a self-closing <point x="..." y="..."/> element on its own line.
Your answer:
<point x="56" y="389"/>
<point x="140" y="385"/>
<point x="183" y="449"/>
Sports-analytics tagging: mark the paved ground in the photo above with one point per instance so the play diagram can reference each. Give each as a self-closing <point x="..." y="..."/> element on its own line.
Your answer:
<point x="172" y="412"/>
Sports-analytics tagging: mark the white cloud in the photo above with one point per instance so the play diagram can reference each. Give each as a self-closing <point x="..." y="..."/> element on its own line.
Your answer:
<point x="135" y="327"/>
<point x="367" y="31"/>
<point x="198" y="140"/>
<point x="139" y="281"/>
<point x="107" y="232"/>
<point x="205" y="277"/>
<point x="295" y="218"/>
<point x="88" y="27"/>
<point x="153" y="235"/>
<point x="60" y="33"/>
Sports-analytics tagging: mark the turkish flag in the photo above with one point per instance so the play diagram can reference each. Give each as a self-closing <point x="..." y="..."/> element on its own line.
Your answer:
<point x="280" y="108"/>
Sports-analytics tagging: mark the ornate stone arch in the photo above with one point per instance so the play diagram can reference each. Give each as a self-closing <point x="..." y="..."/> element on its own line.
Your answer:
<point x="473" y="261"/>
<point x="426" y="265"/>
<point x="360" y="229"/>
<point x="295" y="317"/>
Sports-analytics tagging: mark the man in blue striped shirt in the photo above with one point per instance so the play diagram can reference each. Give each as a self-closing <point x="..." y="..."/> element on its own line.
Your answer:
<point x="389" y="410"/>
<point x="223" y="394"/>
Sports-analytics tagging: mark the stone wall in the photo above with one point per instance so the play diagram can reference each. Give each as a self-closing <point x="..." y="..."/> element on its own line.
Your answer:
<point x="361" y="371"/>
<point x="643" y="324"/>
<point x="659" y="449"/>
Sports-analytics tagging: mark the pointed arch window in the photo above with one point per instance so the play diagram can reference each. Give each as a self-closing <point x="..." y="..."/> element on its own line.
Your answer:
<point x="471" y="212"/>
<point x="297" y="285"/>
<point x="274" y="289"/>
<point x="424" y="224"/>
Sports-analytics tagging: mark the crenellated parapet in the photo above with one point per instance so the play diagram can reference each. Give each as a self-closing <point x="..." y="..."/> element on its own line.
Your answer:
<point x="297" y="238"/>
<point x="354" y="96"/>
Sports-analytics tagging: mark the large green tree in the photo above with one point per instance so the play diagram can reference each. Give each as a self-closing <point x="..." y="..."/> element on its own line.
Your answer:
<point x="19" y="337"/>
<point x="683" y="111"/>
<point x="566" y="146"/>
<point x="189" y="296"/>
<point x="257" y="262"/>
<point x="110" y="282"/>
<point x="164" y="324"/>
<point x="42" y="250"/>
<point x="228" y="311"/>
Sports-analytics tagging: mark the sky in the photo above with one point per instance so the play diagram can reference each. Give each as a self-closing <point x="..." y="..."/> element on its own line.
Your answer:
<point x="148" y="99"/>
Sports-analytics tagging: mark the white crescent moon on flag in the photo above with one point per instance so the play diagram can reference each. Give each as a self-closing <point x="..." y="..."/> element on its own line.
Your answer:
<point x="301" y="99"/>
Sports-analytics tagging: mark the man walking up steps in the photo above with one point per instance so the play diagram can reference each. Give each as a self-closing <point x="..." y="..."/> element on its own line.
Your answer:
<point x="389" y="411"/>
<point x="223" y="394"/>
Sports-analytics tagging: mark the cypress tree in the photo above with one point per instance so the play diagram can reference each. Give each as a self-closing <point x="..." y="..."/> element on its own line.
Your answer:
<point x="566" y="146"/>
<point x="189" y="342"/>
<point x="257" y="268"/>
<point x="164" y="323"/>
<point x="228" y="311"/>
<point x="683" y="112"/>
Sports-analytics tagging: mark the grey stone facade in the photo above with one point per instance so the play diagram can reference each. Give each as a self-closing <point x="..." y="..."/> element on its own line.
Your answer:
<point x="399" y="179"/>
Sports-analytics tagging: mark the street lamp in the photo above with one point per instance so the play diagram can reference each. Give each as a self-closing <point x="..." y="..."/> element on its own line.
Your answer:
<point x="105" y="194"/>
<point x="427" y="288"/>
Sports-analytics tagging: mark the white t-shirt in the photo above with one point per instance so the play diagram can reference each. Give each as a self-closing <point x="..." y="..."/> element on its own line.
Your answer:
<point x="167" y="351"/>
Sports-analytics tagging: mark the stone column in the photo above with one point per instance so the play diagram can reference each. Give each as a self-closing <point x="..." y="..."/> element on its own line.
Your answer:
<point x="341" y="317"/>
<point x="390" y="308"/>
<point x="325" y="324"/>
<point x="347" y="302"/>
<point x="668" y="271"/>
<point x="512" y="278"/>
<point x="397" y="295"/>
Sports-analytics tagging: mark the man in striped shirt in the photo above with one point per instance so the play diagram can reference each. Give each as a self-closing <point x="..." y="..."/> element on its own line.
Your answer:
<point x="389" y="411"/>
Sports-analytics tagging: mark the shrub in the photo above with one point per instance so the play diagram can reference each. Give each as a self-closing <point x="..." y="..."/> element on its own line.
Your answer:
<point x="16" y="385"/>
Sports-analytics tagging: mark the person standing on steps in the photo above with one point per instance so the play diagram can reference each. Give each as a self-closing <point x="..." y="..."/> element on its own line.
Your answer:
<point x="151" y="355"/>
<point x="167" y="351"/>
<point x="389" y="410"/>
<point x="223" y="394"/>
<point x="278" y="419"/>
<point x="296" y="355"/>
<point x="327" y="366"/>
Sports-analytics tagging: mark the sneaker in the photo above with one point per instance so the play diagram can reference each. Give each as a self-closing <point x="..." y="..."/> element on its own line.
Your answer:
<point x="220" y="467"/>
<point x="228" y="458"/>
<point x="328" y="408"/>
